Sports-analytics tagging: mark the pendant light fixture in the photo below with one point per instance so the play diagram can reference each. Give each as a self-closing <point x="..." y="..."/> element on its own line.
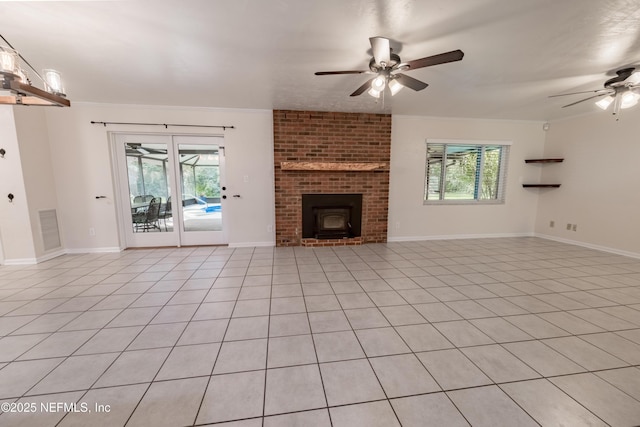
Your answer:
<point x="17" y="88"/>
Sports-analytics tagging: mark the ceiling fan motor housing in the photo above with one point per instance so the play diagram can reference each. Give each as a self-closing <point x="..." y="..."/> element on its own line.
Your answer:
<point x="373" y="66"/>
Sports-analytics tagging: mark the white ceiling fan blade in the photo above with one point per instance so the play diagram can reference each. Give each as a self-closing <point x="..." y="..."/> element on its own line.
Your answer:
<point x="381" y="50"/>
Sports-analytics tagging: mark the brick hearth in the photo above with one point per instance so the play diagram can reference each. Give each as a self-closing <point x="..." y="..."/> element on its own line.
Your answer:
<point x="310" y="136"/>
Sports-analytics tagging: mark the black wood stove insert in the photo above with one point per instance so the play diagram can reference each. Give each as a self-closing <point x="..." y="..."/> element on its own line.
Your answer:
<point x="331" y="216"/>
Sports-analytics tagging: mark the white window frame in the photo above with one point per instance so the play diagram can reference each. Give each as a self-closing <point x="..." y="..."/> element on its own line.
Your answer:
<point x="502" y="176"/>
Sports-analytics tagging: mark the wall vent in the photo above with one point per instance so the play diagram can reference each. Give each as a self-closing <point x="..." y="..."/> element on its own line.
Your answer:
<point x="49" y="229"/>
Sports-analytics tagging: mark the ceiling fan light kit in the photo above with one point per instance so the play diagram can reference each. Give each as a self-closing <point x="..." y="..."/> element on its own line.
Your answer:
<point x="17" y="88"/>
<point x="621" y="91"/>
<point x="387" y="67"/>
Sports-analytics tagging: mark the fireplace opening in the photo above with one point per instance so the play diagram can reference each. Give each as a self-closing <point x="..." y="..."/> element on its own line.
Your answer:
<point x="332" y="223"/>
<point x="331" y="216"/>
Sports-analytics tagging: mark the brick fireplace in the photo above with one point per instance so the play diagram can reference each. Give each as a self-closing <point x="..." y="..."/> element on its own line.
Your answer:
<point x="331" y="153"/>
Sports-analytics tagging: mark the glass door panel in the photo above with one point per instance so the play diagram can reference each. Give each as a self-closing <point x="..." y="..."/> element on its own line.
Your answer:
<point x="144" y="165"/>
<point x="200" y="164"/>
<point x="170" y="192"/>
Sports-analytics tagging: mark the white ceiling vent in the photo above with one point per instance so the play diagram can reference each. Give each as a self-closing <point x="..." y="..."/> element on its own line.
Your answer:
<point x="49" y="229"/>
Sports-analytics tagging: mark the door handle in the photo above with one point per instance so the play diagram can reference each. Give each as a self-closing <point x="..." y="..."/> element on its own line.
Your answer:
<point x="237" y="196"/>
<point x="224" y="196"/>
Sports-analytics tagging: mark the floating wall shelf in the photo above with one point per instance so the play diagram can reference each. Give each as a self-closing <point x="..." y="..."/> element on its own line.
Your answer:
<point x="332" y="166"/>
<point x="541" y="161"/>
<point x="544" y="160"/>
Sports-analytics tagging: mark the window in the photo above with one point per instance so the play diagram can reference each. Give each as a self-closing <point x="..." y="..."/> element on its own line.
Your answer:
<point x="462" y="172"/>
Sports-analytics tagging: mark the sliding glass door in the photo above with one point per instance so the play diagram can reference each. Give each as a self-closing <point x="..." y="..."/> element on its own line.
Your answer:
<point x="200" y="165"/>
<point x="170" y="191"/>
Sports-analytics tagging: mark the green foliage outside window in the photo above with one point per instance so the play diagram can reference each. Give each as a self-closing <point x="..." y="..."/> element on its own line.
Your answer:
<point x="470" y="172"/>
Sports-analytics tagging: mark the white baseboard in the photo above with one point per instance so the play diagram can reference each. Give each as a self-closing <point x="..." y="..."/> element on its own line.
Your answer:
<point x="590" y="246"/>
<point x="37" y="260"/>
<point x="21" y="261"/>
<point x="457" y="236"/>
<point x="108" y="249"/>
<point x="60" y="252"/>
<point x="252" y="244"/>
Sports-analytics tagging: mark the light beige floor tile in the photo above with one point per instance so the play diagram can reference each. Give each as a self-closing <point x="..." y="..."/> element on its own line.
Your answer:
<point x="500" y="330"/>
<point x="170" y="403"/>
<point x="350" y="382"/>
<point x="131" y="367"/>
<point x="314" y="418"/>
<point x="452" y="369"/>
<point x="570" y="323"/>
<point x="381" y="342"/>
<point x="18" y="377"/>
<point x="110" y="340"/>
<point x="428" y="410"/>
<point x="121" y="402"/>
<point x="584" y="354"/>
<point x="607" y="402"/>
<point x="362" y="318"/>
<point x="536" y="327"/>
<point x="543" y="358"/>
<point x="423" y="337"/>
<point x="462" y="333"/>
<point x="372" y="414"/>
<point x="238" y="356"/>
<point x="245" y="328"/>
<point x="625" y="379"/>
<point x="233" y="397"/>
<point x="491" y="407"/>
<point x="500" y="365"/>
<point x="13" y="346"/>
<point x="402" y="315"/>
<point x="189" y="361"/>
<point x="335" y="346"/>
<point x="403" y="375"/>
<point x="291" y="389"/>
<point x="616" y="345"/>
<point x="437" y="312"/>
<point x="548" y="405"/>
<point x="202" y="332"/>
<point x="41" y="416"/>
<point x="75" y="373"/>
<point x="156" y="336"/>
<point x="291" y="351"/>
<point x="289" y="324"/>
<point x="328" y="321"/>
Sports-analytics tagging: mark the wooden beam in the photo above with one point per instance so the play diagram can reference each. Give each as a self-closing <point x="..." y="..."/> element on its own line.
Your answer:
<point x="332" y="166"/>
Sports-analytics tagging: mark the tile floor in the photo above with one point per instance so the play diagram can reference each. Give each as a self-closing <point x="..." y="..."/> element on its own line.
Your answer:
<point x="488" y="332"/>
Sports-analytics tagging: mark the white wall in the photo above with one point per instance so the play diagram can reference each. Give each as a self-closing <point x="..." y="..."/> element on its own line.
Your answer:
<point x="35" y="156"/>
<point x="600" y="179"/>
<point x="15" y="225"/>
<point x="82" y="167"/>
<point x="410" y="219"/>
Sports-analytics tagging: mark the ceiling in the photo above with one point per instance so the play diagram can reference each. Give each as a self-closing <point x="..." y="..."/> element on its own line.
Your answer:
<point x="262" y="54"/>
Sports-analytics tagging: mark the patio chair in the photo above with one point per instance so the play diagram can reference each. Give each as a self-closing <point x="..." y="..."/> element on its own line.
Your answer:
<point x="148" y="219"/>
<point x="165" y="212"/>
<point x="144" y="198"/>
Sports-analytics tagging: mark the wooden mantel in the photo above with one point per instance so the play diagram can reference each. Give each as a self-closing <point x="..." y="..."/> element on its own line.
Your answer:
<point x="332" y="166"/>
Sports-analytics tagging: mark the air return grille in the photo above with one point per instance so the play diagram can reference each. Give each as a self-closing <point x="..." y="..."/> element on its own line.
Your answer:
<point x="49" y="229"/>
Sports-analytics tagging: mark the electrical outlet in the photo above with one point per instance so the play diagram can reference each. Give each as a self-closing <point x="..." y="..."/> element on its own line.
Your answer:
<point x="92" y="231"/>
<point x="552" y="224"/>
<point x="398" y="225"/>
<point x="574" y="227"/>
<point x="569" y="227"/>
<point x="269" y="228"/>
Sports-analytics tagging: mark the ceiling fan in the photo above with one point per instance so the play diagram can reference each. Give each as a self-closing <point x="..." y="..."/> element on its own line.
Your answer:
<point x="621" y="90"/>
<point x="387" y="68"/>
